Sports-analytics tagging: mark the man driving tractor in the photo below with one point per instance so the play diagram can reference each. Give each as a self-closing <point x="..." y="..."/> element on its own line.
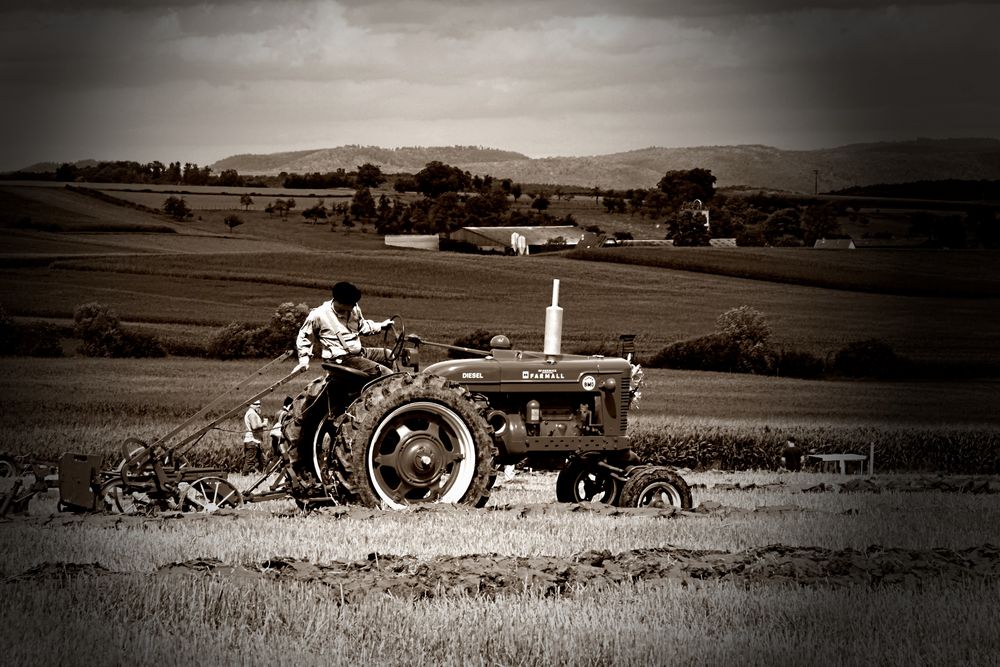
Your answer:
<point x="336" y="326"/>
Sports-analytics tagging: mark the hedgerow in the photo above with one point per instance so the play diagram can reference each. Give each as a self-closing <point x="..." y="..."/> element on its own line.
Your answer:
<point x="754" y="446"/>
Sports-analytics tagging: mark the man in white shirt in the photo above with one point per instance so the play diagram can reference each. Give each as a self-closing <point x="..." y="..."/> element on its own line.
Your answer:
<point x="335" y="327"/>
<point x="253" y="453"/>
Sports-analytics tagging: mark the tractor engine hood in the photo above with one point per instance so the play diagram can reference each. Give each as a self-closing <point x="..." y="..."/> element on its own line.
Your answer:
<point x="511" y="370"/>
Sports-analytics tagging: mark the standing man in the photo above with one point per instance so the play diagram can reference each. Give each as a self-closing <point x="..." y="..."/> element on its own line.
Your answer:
<point x="253" y="438"/>
<point x="279" y="417"/>
<point x="791" y="456"/>
<point x="335" y="327"/>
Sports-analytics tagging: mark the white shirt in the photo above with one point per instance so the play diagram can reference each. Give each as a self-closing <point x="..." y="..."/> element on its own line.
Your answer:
<point x="335" y="337"/>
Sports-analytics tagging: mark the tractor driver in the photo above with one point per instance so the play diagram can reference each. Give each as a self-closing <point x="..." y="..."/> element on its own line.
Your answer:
<point x="336" y="326"/>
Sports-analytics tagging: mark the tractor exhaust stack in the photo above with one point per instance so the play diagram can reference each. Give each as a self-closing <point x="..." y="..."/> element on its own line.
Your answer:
<point x="553" y="325"/>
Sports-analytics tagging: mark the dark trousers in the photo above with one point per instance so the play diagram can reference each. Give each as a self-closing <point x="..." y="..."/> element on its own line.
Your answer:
<point x="322" y="397"/>
<point x="253" y="457"/>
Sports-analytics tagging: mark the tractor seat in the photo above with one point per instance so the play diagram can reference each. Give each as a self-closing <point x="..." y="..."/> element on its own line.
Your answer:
<point x="344" y="372"/>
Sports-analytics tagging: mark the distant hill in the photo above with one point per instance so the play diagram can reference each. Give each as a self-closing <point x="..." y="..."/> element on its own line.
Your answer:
<point x="349" y="158"/>
<point x="748" y="165"/>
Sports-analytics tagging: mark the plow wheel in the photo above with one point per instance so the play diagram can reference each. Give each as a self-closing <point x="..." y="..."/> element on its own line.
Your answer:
<point x="583" y="480"/>
<point x="209" y="494"/>
<point x="114" y="498"/>
<point x="416" y="439"/>
<point x="655" y="486"/>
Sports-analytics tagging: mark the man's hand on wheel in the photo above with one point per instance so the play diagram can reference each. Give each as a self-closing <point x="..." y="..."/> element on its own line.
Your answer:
<point x="385" y="324"/>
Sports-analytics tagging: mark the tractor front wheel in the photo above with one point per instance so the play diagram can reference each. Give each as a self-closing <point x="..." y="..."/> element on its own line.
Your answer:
<point x="655" y="486"/>
<point x="584" y="480"/>
<point x="416" y="439"/>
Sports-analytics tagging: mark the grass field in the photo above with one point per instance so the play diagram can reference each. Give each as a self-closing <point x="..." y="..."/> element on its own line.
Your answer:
<point x="267" y="586"/>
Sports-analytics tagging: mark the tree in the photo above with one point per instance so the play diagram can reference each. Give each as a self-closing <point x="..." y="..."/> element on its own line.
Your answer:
<point x="176" y="208"/>
<point x="614" y="204"/>
<point x="100" y="329"/>
<point x="747" y="329"/>
<point x="363" y="204"/>
<point x="230" y="177"/>
<point x="66" y="172"/>
<point x="818" y="222"/>
<point x="246" y="201"/>
<point x="685" y="185"/>
<point x="232" y="221"/>
<point x="515" y="191"/>
<point x="687" y="228"/>
<point x="540" y="203"/>
<point x="369" y="176"/>
<point x="405" y="183"/>
<point x="436" y="178"/>
<point x="781" y="228"/>
<point x="315" y="213"/>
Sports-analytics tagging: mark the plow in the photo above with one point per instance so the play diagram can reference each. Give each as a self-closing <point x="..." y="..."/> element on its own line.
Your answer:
<point x="416" y="436"/>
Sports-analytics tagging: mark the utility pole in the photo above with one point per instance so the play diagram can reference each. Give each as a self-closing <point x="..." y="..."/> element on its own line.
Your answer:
<point x="815" y="181"/>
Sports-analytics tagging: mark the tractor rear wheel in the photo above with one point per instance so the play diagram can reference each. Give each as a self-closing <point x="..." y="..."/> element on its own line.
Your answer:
<point x="415" y="439"/>
<point x="583" y="480"/>
<point x="655" y="486"/>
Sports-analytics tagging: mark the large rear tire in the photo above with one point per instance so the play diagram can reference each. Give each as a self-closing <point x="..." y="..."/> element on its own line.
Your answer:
<point x="655" y="486"/>
<point x="416" y="439"/>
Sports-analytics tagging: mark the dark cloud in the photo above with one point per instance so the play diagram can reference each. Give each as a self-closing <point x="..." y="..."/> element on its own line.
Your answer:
<point x="574" y="73"/>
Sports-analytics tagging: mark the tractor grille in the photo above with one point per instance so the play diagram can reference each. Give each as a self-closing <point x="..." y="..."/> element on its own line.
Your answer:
<point x="626" y="399"/>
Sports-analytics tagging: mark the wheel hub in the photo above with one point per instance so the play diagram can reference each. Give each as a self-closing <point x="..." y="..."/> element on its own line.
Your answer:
<point x="421" y="461"/>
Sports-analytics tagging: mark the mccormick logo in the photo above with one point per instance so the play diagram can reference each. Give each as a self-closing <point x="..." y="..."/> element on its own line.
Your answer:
<point x="542" y="374"/>
<point x="472" y="376"/>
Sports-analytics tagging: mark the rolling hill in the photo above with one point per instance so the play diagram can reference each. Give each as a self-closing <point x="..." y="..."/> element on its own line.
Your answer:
<point x="753" y="166"/>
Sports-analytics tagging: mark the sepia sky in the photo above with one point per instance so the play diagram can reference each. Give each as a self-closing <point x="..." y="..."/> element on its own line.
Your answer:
<point x="198" y="81"/>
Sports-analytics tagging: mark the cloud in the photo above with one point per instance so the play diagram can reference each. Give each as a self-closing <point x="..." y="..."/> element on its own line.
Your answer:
<point x="564" y="77"/>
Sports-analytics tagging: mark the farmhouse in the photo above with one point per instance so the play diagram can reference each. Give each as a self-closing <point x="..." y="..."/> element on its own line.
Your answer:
<point x="507" y="239"/>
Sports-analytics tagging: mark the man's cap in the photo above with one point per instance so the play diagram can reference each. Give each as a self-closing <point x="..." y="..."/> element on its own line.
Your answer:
<point x="256" y="403"/>
<point x="346" y="293"/>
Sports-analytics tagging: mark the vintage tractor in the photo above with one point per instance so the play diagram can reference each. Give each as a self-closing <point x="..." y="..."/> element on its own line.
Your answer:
<point x="415" y="436"/>
<point x="438" y="434"/>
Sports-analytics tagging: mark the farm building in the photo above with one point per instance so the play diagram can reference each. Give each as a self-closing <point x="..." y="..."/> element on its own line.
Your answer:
<point x="417" y="241"/>
<point x="834" y="244"/>
<point x="505" y="239"/>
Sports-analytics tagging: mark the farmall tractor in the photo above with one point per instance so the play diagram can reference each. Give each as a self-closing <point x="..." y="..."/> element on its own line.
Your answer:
<point x="435" y="435"/>
<point x="438" y="435"/>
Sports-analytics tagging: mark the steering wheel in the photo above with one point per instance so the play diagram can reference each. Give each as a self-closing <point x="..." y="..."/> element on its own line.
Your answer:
<point x="393" y="339"/>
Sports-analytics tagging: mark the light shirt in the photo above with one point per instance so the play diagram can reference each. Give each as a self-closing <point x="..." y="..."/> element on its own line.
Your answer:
<point x="336" y="338"/>
<point x="255" y="426"/>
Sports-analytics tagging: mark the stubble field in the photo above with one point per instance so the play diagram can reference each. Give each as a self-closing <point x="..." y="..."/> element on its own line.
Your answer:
<point x="772" y="568"/>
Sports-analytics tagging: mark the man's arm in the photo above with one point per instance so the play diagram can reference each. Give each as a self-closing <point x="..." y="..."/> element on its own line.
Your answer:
<point x="304" y="343"/>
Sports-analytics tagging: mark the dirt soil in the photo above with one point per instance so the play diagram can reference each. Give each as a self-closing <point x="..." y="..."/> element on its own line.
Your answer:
<point x="489" y="575"/>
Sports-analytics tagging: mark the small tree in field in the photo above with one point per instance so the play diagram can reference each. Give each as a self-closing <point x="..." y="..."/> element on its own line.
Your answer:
<point x="246" y="201"/>
<point x="540" y="203"/>
<point x="176" y="208"/>
<point x="315" y="213"/>
<point x="749" y="331"/>
<point x="232" y="221"/>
